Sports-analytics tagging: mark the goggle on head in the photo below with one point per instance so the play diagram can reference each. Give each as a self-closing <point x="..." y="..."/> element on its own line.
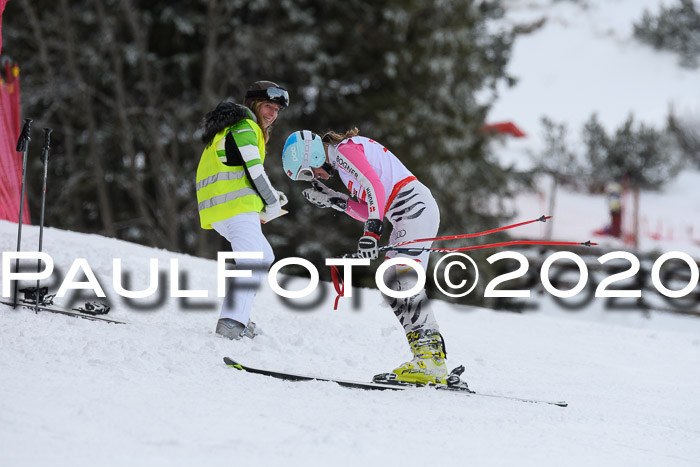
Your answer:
<point x="275" y="94"/>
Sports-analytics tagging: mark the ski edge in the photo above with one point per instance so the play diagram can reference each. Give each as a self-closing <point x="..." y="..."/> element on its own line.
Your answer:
<point x="75" y="314"/>
<point x="296" y="377"/>
<point x="522" y="399"/>
<point x="466" y="390"/>
<point x="378" y="386"/>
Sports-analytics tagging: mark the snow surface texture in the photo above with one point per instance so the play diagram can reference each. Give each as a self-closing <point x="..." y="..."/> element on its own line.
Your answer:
<point x="156" y="392"/>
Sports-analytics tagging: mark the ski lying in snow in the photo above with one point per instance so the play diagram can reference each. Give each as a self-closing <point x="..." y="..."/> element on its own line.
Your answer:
<point x="294" y="377"/>
<point x="384" y="385"/>
<point x="53" y="309"/>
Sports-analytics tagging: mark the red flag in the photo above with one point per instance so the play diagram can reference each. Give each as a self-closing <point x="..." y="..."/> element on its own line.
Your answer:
<point x="506" y="128"/>
<point x="10" y="159"/>
<point x="2" y="8"/>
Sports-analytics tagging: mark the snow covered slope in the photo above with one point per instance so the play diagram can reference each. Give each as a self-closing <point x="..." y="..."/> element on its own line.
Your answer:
<point x="585" y="60"/>
<point x="155" y="391"/>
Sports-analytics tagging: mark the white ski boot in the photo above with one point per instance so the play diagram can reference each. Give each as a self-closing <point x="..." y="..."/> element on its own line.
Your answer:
<point x="234" y="330"/>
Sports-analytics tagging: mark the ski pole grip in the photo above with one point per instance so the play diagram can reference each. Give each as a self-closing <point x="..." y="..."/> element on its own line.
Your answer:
<point x="47" y="138"/>
<point x="24" y="135"/>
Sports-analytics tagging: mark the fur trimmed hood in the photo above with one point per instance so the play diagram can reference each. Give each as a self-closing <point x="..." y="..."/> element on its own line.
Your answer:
<point x="224" y="115"/>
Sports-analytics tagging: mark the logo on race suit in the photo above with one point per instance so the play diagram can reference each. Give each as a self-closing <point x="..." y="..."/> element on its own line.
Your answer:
<point x="352" y="171"/>
<point x="348" y="168"/>
<point x="368" y="197"/>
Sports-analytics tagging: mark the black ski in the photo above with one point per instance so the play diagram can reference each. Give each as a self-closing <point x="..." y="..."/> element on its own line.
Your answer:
<point x="295" y="377"/>
<point x="77" y="313"/>
<point x="381" y="386"/>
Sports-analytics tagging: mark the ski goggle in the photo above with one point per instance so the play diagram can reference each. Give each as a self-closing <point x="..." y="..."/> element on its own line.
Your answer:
<point x="277" y="95"/>
<point x="305" y="174"/>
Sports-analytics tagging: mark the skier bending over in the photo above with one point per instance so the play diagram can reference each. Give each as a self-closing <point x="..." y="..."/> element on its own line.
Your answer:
<point x="380" y="186"/>
<point x="233" y="188"/>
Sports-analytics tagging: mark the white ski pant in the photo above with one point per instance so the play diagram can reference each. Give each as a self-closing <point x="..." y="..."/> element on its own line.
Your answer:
<point x="244" y="232"/>
<point x="413" y="214"/>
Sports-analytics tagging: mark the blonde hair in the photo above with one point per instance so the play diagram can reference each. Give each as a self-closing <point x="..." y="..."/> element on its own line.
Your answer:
<point x="255" y="107"/>
<point x="333" y="138"/>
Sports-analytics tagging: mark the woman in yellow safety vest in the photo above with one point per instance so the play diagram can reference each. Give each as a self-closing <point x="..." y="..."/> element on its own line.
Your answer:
<point x="234" y="193"/>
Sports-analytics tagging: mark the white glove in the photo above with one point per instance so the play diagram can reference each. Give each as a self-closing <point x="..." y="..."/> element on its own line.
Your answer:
<point x="270" y="211"/>
<point x="323" y="197"/>
<point x="283" y="198"/>
<point x="368" y="247"/>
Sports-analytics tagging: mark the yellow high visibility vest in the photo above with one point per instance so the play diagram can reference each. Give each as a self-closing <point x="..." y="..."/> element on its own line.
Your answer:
<point x="224" y="191"/>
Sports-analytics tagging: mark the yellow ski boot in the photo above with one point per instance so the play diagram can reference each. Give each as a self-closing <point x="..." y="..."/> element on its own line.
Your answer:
<point x="428" y="365"/>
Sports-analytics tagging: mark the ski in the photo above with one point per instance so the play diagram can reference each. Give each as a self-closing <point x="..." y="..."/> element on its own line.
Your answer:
<point x="296" y="377"/>
<point x="382" y="386"/>
<point x="77" y="313"/>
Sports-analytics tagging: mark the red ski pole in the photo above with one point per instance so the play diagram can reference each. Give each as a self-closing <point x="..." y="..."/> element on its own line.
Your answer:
<point x="492" y="245"/>
<point x="471" y="235"/>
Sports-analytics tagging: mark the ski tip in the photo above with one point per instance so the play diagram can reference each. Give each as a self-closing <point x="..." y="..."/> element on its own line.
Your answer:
<point x="232" y="364"/>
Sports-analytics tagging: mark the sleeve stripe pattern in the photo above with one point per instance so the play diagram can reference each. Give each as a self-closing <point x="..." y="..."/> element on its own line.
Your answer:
<point x="250" y="155"/>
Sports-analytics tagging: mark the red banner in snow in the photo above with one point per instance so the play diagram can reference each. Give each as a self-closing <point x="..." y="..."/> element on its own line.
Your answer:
<point x="10" y="159"/>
